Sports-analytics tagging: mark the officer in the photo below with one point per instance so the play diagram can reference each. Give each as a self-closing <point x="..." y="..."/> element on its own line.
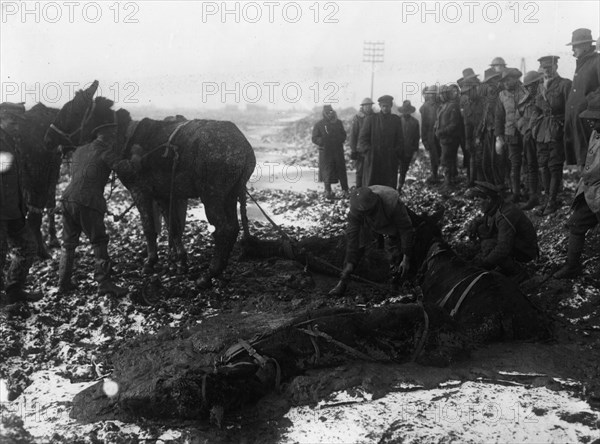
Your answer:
<point x="366" y="109"/>
<point x="13" y="226"/>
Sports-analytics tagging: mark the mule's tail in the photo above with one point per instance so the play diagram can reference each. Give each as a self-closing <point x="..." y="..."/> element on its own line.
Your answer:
<point x="244" y="215"/>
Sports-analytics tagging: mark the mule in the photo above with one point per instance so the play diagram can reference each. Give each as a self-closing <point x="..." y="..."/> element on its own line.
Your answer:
<point x="486" y="305"/>
<point x="208" y="159"/>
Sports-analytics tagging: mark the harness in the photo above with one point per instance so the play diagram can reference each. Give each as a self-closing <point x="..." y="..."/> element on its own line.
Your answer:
<point x="435" y="250"/>
<point x="64" y="135"/>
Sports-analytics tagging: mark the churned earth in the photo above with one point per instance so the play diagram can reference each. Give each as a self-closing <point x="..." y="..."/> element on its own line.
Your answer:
<point x="510" y="392"/>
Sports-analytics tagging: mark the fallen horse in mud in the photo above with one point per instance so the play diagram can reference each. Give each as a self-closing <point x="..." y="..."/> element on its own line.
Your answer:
<point x="211" y="371"/>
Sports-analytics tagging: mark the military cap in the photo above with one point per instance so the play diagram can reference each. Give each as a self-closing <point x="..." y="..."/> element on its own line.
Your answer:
<point x="431" y="90"/>
<point x="581" y="35"/>
<point x="511" y="72"/>
<point x="363" y="199"/>
<point x="367" y="101"/>
<point x="593" y="108"/>
<point x="14" y="110"/>
<point x="532" y="77"/>
<point x="548" y="60"/>
<point x="327" y="108"/>
<point x="386" y="99"/>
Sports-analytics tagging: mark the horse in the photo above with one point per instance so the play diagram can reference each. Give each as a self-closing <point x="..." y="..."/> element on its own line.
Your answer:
<point x="40" y="171"/>
<point x="485" y="305"/>
<point x="208" y="159"/>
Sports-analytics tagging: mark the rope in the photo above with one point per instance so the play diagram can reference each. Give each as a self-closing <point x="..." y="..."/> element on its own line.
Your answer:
<point x="315" y="332"/>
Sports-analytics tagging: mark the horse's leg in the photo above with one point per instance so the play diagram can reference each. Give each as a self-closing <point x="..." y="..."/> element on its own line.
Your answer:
<point x="34" y="220"/>
<point x="176" y="217"/>
<point x="144" y="203"/>
<point x="53" y="241"/>
<point x="221" y="212"/>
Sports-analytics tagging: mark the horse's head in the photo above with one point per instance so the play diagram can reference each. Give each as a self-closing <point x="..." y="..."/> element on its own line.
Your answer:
<point x="101" y="114"/>
<point x="427" y="232"/>
<point x="67" y="123"/>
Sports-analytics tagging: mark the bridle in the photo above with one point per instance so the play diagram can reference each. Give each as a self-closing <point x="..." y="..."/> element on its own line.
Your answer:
<point x="64" y="135"/>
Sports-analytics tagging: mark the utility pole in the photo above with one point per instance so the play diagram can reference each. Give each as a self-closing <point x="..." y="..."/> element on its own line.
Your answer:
<point x="523" y="66"/>
<point x="373" y="53"/>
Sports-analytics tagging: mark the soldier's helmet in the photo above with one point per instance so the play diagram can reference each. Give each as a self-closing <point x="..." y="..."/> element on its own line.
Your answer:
<point x="498" y="61"/>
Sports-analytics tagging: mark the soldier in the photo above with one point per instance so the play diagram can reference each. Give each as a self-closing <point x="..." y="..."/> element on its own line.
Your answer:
<point x="448" y="130"/>
<point x="329" y="135"/>
<point x="507" y="236"/>
<point x="13" y="226"/>
<point x="381" y="141"/>
<point x="380" y="210"/>
<point x="498" y="64"/>
<point x="586" y="205"/>
<point x="493" y="166"/>
<point x="428" y="113"/>
<point x="366" y="109"/>
<point x="84" y="205"/>
<point x="411" y="132"/>
<point x="471" y="108"/>
<point x="527" y="112"/>
<point x="585" y="81"/>
<point x="551" y="99"/>
<point x="505" y="128"/>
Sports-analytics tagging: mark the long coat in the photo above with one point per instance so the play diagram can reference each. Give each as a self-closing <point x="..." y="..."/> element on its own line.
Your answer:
<point x="329" y="136"/>
<point x="412" y="135"/>
<point x="589" y="184"/>
<point x="12" y="202"/>
<point x="381" y="140"/>
<point x="585" y="81"/>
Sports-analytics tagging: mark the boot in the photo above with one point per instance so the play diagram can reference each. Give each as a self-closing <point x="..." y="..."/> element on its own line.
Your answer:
<point x="545" y="175"/>
<point x="328" y="193"/>
<point x="102" y="273"/>
<point x="532" y="185"/>
<point x="572" y="267"/>
<point x="533" y="202"/>
<point x="555" y="182"/>
<point x="516" y="187"/>
<point x="65" y="270"/>
<point x="15" y="294"/>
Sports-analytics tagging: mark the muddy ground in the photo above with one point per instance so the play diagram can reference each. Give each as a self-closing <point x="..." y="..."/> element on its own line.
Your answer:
<point x="536" y="392"/>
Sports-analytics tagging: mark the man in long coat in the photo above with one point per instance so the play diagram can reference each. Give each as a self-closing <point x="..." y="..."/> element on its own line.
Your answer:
<point x="586" y="206"/>
<point x="381" y="140"/>
<point x="428" y="113"/>
<point x="585" y="81"/>
<point x="471" y="108"/>
<point x="449" y="129"/>
<point x="411" y="132"/>
<point x="366" y="109"/>
<point x="329" y="135"/>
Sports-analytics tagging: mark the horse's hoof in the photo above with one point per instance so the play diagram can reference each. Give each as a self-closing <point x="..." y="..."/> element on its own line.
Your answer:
<point x="205" y="282"/>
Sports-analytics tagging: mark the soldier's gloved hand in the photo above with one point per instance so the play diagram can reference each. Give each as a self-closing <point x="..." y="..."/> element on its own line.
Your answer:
<point x="347" y="271"/>
<point x="353" y="155"/>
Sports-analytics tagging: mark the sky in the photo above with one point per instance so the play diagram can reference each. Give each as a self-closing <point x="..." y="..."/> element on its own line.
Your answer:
<point x="182" y="54"/>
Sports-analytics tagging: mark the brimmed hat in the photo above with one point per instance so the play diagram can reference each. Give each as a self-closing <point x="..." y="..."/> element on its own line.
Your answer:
<point x="14" y="110"/>
<point x="363" y="199"/>
<point x="367" y="101"/>
<point x="532" y="77"/>
<point x="490" y="74"/>
<point x="467" y="74"/>
<point x="430" y="90"/>
<point x="104" y="116"/>
<point x="548" y="60"/>
<point x="593" y="108"/>
<point x="498" y="61"/>
<point x="406" y="108"/>
<point x="511" y="73"/>
<point x="581" y="35"/>
<point x="327" y="108"/>
<point x="386" y="99"/>
<point x="487" y="189"/>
